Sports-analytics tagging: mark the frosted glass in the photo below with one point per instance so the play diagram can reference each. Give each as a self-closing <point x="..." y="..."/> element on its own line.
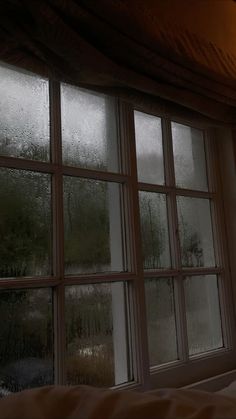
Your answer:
<point x="93" y="241"/>
<point x="195" y="230"/>
<point x="89" y="132"/>
<point x="24" y="115"/>
<point x="154" y="230"/>
<point x="25" y="223"/>
<point x="160" y="305"/>
<point x="96" y="334"/>
<point x="189" y="157"/>
<point x="203" y="314"/>
<point x="149" y="151"/>
<point x="26" y="339"/>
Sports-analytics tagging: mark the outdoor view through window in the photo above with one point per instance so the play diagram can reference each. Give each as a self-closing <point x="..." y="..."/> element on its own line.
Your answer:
<point x="75" y="220"/>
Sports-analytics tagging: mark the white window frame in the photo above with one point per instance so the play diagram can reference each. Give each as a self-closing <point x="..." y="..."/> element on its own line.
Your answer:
<point x="176" y="373"/>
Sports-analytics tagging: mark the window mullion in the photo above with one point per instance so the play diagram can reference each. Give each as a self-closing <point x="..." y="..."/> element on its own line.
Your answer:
<point x="139" y="322"/>
<point x="181" y="323"/>
<point x="58" y="233"/>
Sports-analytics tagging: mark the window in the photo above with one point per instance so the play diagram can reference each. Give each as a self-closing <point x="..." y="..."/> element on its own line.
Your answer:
<point x="110" y="264"/>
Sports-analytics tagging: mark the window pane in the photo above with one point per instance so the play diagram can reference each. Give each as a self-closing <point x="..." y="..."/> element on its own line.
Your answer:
<point x="96" y="334"/>
<point x="93" y="241"/>
<point x="203" y="313"/>
<point x="195" y="232"/>
<point x="25" y="223"/>
<point x="89" y="132"/>
<point x="148" y="135"/>
<point x="154" y="229"/>
<point x="26" y="339"/>
<point x="161" y="320"/>
<point x="24" y="115"/>
<point x="189" y="157"/>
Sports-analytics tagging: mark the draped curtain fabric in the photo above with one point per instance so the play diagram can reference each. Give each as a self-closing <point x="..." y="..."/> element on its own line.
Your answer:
<point x="144" y="51"/>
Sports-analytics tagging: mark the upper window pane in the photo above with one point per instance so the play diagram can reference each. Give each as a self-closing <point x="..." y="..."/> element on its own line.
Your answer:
<point x="195" y="226"/>
<point x="25" y="223"/>
<point x="89" y="131"/>
<point x="189" y="157"/>
<point x="93" y="238"/>
<point x="24" y="115"/>
<point x="154" y="229"/>
<point x="148" y="135"/>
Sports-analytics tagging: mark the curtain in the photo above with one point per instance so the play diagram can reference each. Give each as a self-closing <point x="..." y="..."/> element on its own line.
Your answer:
<point x="166" y="53"/>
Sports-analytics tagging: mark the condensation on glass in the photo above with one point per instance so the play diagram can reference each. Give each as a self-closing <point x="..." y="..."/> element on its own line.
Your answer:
<point x="203" y="313"/>
<point x="149" y="150"/>
<point x="189" y="157"/>
<point x="93" y="232"/>
<point x="25" y="223"/>
<point x="24" y="115"/>
<point x="195" y="228"/>
<point x="97" y="349"/>
<point x="154" y="230"/>
<point x="161" y="323"/>
<point x="89" y="129"/>
<point x="26" y="339"/>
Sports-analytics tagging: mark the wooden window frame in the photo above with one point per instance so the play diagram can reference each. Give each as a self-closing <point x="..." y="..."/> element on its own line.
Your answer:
<point x="177" y="373"/>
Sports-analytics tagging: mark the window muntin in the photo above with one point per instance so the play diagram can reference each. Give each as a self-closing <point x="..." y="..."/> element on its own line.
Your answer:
<point x="130" y="332"/>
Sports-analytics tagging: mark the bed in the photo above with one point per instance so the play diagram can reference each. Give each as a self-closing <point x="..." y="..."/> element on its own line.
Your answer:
<point x="82" y="402"/>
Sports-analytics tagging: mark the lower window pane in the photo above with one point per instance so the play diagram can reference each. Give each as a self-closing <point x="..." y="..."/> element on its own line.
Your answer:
<point x="203" y="313"/>
<point x="161" y="320"/>
<point x="96" y="334"/>
<point x="26" y="339"/>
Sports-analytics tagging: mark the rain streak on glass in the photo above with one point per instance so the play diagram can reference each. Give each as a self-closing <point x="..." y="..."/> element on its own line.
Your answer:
<point x="154" y="230"/>
<point x="26" y="339"/>
<point x="195" y="232"/>
<point x="89" y="131"/>
<point x="25" y="223"/>
<point x="148" y="137"/>
<point x="189" y="157"/>
<point x="203" y="314"/>
<point x="93" y="239"/>
<point x="162" y="339"/>
<point x="24" y="115"/>
<point x="96" y="334"/>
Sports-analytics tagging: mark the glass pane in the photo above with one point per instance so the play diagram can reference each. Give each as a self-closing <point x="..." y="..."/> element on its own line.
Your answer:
<point x="96" y="334"/>
<point x="26" y="339"/>
<point x="189" y="157"/>
<point x="195" y="232"/>
<point x="203" y="314"/>
<point x="148" y="136"/>
<point x="93" y="241"/>
<point x="24" y="115"/>
<point x="89" y="132"/>
<point x="161" y="320"/>
<point x="154" y="229"/>
<point x="25" y="223"/>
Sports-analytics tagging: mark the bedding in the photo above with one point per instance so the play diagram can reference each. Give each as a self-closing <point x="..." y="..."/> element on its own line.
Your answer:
<point x="82" y="402"/>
